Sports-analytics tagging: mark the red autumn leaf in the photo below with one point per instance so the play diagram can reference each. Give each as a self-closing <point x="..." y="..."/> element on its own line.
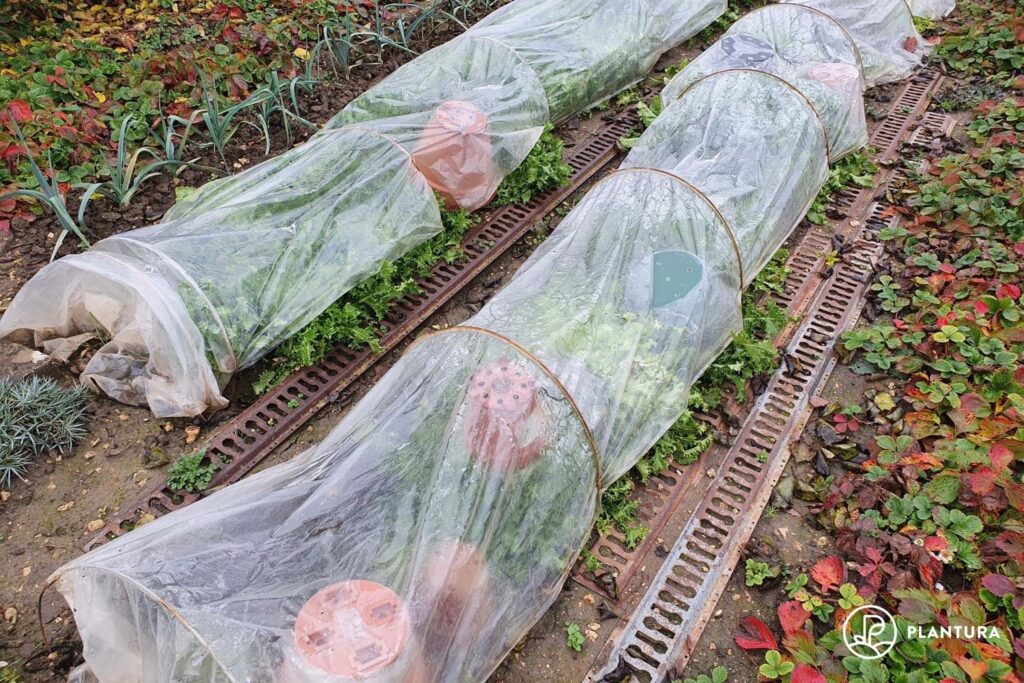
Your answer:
<point x="982" y="481"/>
<point x="754" y="634"/>
<point x="1001" y="457"/>
<point x="805" y="673"/>
<point x="998" y="585"/>
<point x="828" y="572"/>
<point x="1011" y="291"/>
<point x="935" y="543"/>
<point x="792" y="616"/>
<point x="20" y="110"/>
<point x="980" y="307"/>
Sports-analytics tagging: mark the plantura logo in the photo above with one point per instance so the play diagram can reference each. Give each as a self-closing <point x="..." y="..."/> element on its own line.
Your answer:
<point x="869" y="632"/>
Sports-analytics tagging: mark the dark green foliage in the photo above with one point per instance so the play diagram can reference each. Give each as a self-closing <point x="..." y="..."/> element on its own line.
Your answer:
<point x="354" y="320"/>
<point x="988" y="48"/>
<point x="191" y="473"/>
<point x="542" y="169"/>
<point x="36" y="415"/>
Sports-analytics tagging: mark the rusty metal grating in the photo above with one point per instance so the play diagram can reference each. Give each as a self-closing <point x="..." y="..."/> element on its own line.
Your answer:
<point x="907" y="109"/>
<point x="807" y="268"/>
<point x="666" y="626"/>
<point x="249" y="437"/>
<point x="933" y="125"/>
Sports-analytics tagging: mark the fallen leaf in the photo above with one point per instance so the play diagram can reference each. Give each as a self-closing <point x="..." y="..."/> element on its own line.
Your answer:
<point x="792" y="616"/>
<point x="754" y="634"/>
<point x="828" y="572"/>
<point x="805" y="673"/>
<point x="884" y="402"/>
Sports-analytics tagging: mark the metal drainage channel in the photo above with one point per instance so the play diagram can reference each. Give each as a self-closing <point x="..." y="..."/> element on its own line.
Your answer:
<point x="670" y="618"/>
<point x="254" y="433"/>
<point x="661" y="497"/>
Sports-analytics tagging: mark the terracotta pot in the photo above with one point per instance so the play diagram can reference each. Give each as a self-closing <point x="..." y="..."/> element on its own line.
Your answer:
<point x="353" y="631"/>
<point x="505" y="425"/>
<point x="454" y="154"/>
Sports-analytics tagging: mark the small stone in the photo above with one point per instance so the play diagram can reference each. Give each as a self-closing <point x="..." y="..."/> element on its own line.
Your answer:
<point x="94" y="526"/>
<point x="710" y="473"/>
<point x="89" y="455"/>
<point x="589" y="599"/>
<point x="25" y="571"/>
<point x="712" y="646"/>
<point x="4" y="495"/>
<point x="718" y="614"/>
<point x="66" y="506"/>
<point x="191" y="433"/>
<point x="783" y="532"/>
<point x="594" y="626"/>
<point x="140" y="477"/>
<point x="11" y="615"/>
<point x="168" y="427"/>
<point x="122" y="418"/>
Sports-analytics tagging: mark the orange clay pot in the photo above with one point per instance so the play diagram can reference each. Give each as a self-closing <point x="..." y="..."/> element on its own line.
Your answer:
<point x="453" y="596"/>
<point x="505" y="425"/>
<point x="454" y="154"/>
<point x="353" y="631"/>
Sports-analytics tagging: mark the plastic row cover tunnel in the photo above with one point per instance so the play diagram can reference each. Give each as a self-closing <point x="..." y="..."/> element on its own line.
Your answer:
<point x="247" y="261"/>
<point x="806" y="48"/>
<point x="932" y="9"/>
<point x="438" y="521"/>
<point x="889" y="44"/>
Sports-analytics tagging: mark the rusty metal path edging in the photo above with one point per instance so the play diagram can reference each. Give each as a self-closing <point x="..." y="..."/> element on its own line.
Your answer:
<point x="250" y="436"/>
<point x="668" y="622"/>
<point x="806" y="266"/>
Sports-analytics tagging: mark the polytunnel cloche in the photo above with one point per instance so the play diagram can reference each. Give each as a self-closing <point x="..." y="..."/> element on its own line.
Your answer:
<point x="247" y="261"/>
<point x="889" y="44"/>
<point x="805" y="47"/>
<point x="753" y="144"/>
<point x="427" y="533"/>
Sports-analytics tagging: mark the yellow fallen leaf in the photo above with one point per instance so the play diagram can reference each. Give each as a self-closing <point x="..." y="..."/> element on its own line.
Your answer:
<point x="884" y="401"/>
<point x="301" y="53"/>
<point x="101" y="98"/>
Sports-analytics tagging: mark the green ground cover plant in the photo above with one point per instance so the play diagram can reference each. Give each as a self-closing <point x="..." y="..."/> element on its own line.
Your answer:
<point x="37" y="415"/>
<point x="927" y="515"/>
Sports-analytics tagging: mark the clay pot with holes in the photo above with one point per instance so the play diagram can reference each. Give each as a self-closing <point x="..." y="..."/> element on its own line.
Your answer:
<point x="453" y="595"/>
<point x="455" y="155"/>
<point x="505" y="426"/>
<point x="353" y="631"/>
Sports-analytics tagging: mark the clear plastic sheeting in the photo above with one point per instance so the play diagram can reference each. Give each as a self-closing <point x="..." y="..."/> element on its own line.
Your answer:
<point x="545" y="59"/>
<point x="188" y="301"/>
<point x="246" y="261"/>
<point x="438" y="520"/>
<point x="628" y="302"/>
<point x="806" y="48"/>
<point x="889" y="44"/>
<point x="932" y="9"/>
<point x="754" y="146"/>
<point x="418" y="542"/>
